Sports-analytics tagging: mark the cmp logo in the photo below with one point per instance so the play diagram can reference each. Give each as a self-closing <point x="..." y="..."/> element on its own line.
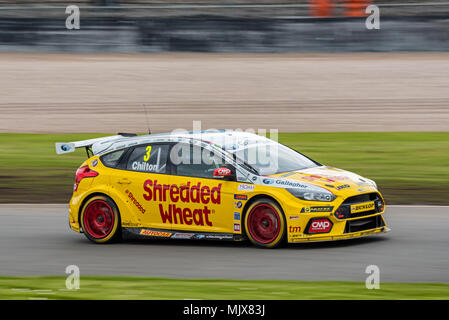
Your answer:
<point x="321" y="225"/>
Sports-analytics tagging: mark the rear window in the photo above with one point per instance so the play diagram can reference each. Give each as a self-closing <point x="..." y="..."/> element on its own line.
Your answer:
<point x="148" y="158"/>
<point x="112" y="159"/>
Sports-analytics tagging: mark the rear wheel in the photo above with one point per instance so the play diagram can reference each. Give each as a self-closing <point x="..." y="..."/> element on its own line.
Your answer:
<point x="265" y="223"/>
<point x="100" y="220"/>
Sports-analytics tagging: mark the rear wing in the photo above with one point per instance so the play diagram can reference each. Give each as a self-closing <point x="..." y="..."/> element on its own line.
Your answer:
<point x="68" y="147"/>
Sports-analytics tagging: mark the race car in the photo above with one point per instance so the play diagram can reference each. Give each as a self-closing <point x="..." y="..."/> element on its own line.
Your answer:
<point x="219" y="185"/>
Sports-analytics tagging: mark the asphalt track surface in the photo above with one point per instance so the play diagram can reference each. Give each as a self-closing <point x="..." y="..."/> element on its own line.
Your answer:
<point x="36" y="240"/>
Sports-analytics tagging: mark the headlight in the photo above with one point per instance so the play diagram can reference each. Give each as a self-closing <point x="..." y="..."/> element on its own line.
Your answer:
<point x="312" y="195"/>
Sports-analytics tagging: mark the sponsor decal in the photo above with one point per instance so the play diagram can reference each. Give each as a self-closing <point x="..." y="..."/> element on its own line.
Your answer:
<point x="315" y="178"/>
<point x="236" y="226"/>
<point x="343" y="186"/>
<point x="144" y="166"/>
<point x="334" y="178"/>
<point x="199" y="236"/>
<point x="236" y="215"/>
<point x="65" y="147"/>
<point x="182" y="236"/>
<point x="188" y="193"/>
<point x="218" y="236"/>
<point x="321" y="225"/>
<point x="293" y="217"/>
<point x="129" y="224"/>
<point x="291" y="184"/>
<point x="293" y="229"/>
<point x="221" y="172"/>
<point x="152" y="233"/>
<point x="288" y="174"/>
<point x="94" y="163"/>
<point x="316" y="209"/>
<point x="240" y="197"/>
<point x="268" y="181"/>
<point x="238" y="204"/>
<point x="362" y="207"/>
<point x="246" y="187"/>
<point x="135" y="201"/>
<point x="177" y="215"/>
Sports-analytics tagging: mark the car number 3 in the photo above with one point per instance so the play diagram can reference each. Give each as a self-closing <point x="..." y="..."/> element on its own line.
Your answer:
<point x="146" y="157"/>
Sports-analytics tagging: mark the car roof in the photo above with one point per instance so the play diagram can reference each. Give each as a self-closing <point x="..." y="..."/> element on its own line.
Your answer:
<point x="225" y="139"/>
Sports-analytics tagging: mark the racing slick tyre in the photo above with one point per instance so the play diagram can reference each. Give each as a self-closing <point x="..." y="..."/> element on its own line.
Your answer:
<point x="100" y="220"/>
<point x="265" y="223"/>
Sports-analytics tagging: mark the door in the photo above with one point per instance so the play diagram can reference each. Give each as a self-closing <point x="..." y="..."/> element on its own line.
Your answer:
<point x="144" y="180"/>
<point x="200" y="202"/>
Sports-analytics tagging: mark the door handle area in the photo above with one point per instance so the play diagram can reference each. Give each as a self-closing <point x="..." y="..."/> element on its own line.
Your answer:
<point x="124" y="181"/>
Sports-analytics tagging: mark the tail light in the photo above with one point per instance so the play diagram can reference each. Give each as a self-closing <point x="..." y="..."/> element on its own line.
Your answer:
<point x="81" y="173"/>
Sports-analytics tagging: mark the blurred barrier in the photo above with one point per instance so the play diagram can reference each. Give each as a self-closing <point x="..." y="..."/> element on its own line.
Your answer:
<point x="232" y="8"/>
<point x="221" y="34"/>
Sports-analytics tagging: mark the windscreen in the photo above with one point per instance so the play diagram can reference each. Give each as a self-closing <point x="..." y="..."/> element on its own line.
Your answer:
<point x="272" y="158"/>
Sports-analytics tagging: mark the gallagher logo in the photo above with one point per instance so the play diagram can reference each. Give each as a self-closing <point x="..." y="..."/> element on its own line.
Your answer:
<point x="185" y="194"/>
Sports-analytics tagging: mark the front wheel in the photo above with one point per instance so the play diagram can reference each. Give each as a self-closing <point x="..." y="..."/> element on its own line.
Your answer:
<point x="100" y="220"/>
<point x="265" y="223"/>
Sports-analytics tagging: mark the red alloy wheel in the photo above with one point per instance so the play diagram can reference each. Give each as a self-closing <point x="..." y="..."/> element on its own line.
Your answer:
<point x="98" y="219"/>
<point x="264" y="223"/>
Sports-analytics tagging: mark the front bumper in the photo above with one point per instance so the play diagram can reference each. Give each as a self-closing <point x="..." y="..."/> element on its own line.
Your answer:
<point x="345" y="229"/>
<point x="346" y="236"/>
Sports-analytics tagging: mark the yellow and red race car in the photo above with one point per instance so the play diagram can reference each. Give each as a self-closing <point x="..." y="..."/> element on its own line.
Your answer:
<point x="220" y="185"/>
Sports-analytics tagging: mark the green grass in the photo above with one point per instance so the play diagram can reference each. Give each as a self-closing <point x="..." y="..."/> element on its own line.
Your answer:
<point x="409" y="167"/>
<point x="156" y="288"/>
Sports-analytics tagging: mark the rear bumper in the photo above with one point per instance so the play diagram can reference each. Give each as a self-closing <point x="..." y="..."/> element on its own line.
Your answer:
<point x="345" y="236"/>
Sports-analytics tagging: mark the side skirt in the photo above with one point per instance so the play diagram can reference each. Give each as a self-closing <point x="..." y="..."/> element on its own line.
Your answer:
<point x="145" y="233"/>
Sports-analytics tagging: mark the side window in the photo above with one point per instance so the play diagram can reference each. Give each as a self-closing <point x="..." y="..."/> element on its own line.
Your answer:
<point x="194" y="161"/>
<point x="112" y="159"/>
<point x="148" y="158"/>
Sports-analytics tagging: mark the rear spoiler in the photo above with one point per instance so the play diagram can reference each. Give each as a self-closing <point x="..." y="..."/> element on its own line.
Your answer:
<point x="68" y="147"/>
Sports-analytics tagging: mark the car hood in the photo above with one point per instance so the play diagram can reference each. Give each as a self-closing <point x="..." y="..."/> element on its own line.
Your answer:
<point x="337" y="181"/>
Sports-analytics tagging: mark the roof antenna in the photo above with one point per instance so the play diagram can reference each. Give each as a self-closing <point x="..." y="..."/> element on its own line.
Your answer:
<point x="146" y="116"/>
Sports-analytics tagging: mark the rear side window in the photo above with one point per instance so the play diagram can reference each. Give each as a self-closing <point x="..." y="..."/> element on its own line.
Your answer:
<point x="112" y="159"/>
<point x="148" y="158"/>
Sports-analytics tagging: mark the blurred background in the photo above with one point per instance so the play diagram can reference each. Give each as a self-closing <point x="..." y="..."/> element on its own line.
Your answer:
<point x="224" y="26"/>
<point x="372" y="101"/>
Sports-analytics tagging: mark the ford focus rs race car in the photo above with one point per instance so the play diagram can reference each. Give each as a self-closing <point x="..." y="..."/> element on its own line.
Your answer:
<point x="221" y="185"/>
